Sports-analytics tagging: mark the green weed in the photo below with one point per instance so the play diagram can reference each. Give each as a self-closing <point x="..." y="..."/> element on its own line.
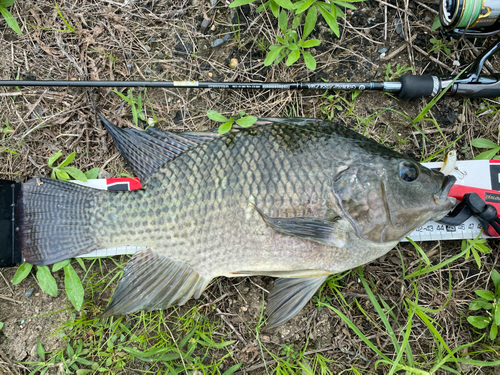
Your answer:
<point x="391" y="75"/>
<point x="137" y="107"/>
<point x="63" y="172"/>
<point x="490" y="302"/>
<point x="491" y="147"/>
<point x="337" y="102"/>
<point x="11" y="21"/>
<point x="243" y="121"/>
<point x="439" y="45"/>
<point x="475" y="247"/>
<point x="291" y="46"/>
<point x="72" y="283"/>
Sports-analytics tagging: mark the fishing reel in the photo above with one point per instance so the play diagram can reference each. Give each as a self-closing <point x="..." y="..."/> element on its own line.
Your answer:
<point x="472" y="18"/>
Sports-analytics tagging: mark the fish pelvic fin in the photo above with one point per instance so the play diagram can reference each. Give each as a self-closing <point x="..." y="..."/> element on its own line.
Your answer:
<point x="54" y="220"/>
<point x="152" y="281"/>
<point x="322" y="231"/>
<point x="288" y="297"/>
<point x="146" y="151"/>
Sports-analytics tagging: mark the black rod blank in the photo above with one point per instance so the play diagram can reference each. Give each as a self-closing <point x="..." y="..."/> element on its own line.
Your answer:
<point x="378" y="86"/>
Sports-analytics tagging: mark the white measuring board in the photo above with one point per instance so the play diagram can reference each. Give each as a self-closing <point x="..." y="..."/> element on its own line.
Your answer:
<point x="483" y="174"/>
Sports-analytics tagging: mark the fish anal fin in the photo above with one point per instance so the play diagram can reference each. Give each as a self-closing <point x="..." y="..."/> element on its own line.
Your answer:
<point x="288" y="297"/>
<point x="152" y="281"/>
<point x="323" y="231"/>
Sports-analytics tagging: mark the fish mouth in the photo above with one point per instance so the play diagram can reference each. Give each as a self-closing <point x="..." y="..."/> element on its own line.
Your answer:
<point x="441" y="197"/>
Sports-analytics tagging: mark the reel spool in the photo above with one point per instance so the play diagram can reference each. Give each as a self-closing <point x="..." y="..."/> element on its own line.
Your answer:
<point x="474" y="18"/>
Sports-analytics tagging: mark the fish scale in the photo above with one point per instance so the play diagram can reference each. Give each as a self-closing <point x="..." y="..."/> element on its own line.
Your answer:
<point x="297" y="199"/>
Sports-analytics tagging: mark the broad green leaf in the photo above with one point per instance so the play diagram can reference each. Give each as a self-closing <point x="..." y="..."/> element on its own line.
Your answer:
<point x="339" y="13"/>
<point x="61" y="175"/>
<point x="344" y="4"/>
<point x="293" y="47"/>
<point x="1" y="325"/>
<point x="311" y="18"/>
<point x="57" y="266"/>
<point x="487" y="155"/>
<point x="304" y="5"/>
<point x="54" y="157"/>
<point x="85" y="362"/>
<point x="46" y="280"/>
<point x="92" y="174"/>
<point x="7" y="3"/>
<point x="311" y="43"/>
<point x="246" y="121"/>
<point x="68" y="160"/>
<point x="274" y="8"/>
<point x="482" y="248"/>
<point x="263" y="6"/>
<point x="232" y="369"/>
<point x="11" y="21"/>
<point x="436" y="24"/>
<point x="81" y="263"/>
<point x="486" y="294"/>
<point x="480" y="303"/>
<point x="273" y="55"/>
<point x="73" y="286"/>
<point x="40" y="350"/>
<point x="70" y="351"/>
<point x="497" y="314"/>
<point x="493" y="331"/>
<point x="75" y="173"/>
<point x="274" y="46"/>
<point x="283" y="21"/>
<point x="329" y="18"/>
<point x="495" y="276"/>
<point x="238" y="3"/>
<point x="483" y="143"/>
<point x="280" y="39"/>
<point x="297" y="20"/>
<point x="224" y="128"/>
<point x="22" y="271"/>
<point x="292" y="57"/>
<point x="216" y="116"/>
<point x="287" y="4"/>
<point x="479" y="321"/>
<point x="309" y="60"/>
<point x="83" y="371"/>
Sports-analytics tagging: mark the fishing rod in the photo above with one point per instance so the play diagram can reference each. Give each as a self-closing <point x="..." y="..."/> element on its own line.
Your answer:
<point x="470" y="83"/>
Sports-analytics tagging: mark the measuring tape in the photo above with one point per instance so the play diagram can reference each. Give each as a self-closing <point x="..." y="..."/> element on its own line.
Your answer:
<point x="480" y="176"/>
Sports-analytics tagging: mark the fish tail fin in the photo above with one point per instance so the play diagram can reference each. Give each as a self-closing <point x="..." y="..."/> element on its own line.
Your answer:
<point x="54" y="220"/>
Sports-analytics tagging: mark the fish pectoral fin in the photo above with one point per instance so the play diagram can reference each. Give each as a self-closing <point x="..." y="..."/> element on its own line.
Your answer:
<point x="146" y="151"/>
<point x="289" y="296"/>
<point x="319" y="230"/>
<point x="152" y="281"/>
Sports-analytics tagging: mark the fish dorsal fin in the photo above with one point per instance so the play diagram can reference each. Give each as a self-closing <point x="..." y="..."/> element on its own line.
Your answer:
<point x="288" y="297"/>
<point x="146" y="151"/>
<point x="152" y="281"/>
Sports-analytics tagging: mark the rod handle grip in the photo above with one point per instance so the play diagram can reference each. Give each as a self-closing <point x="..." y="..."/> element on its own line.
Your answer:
<point x="419" y="86"/>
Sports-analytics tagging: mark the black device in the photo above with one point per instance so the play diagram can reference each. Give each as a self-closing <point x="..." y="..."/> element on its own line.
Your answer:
<point x="9" y="247"/>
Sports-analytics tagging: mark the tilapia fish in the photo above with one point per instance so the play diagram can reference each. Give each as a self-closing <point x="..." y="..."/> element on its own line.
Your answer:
<point x="297" y="199"/>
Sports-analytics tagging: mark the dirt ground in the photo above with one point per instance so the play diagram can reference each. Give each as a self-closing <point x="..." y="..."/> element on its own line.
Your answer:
<point x="169" y="40"/>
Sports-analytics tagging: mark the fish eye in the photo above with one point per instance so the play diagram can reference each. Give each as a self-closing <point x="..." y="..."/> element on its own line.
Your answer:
<point x="408" y="171"/>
